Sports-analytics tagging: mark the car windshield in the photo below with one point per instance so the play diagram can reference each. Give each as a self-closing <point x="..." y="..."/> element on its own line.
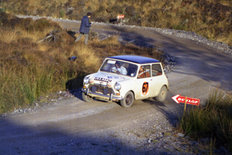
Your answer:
<point x="119" y="67"/>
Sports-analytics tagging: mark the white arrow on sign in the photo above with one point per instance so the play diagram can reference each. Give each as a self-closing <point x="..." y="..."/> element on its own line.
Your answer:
<point x="186" y="100"/>
<point x="175" y="98"/>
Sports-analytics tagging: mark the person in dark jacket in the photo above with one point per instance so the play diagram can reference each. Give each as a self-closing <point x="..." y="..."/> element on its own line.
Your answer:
<point x="84" y="28"/>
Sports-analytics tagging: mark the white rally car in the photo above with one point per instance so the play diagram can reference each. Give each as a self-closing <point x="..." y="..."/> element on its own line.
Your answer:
<point x="126" y="78"/>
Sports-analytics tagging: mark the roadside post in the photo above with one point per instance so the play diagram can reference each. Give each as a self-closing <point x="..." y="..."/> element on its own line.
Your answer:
<point x="185" y="104"/>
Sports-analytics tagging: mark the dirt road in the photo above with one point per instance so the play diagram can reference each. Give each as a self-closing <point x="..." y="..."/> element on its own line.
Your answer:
<point x="71" y="126"/>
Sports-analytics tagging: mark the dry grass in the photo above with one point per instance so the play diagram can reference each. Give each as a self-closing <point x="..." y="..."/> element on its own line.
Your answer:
<point x="17" y="33"/>
<point x="8" y="35"/>
<point x="213" y="120"/>
<point x="224" y="2"/>
<point x="210" y="18"/>
<point x="30" y="69"/>
<point x="87" y="57"/>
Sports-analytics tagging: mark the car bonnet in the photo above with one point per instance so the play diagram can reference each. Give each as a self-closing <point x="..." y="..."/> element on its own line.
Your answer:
<point x="106" y="78"/>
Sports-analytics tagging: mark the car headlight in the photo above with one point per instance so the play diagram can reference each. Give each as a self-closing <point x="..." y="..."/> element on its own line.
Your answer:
<point x="86" y="80"/>
<point x="117" y="86"/>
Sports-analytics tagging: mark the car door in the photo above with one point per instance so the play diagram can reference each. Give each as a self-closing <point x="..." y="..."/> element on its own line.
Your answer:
<point x="143" y="83"/>
<point x="157" y="79"/>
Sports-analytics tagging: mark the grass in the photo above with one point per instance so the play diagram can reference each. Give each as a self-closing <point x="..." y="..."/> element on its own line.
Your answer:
<point x="212" y="121"/>
<point x="30" y="69"/>
<point x="210" y="18"/>
<point x="21" y="86"/>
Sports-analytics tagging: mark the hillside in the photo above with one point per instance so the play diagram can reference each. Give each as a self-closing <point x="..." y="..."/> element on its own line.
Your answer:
<point x="31" y="66"/>
<point x="210" y="18"/>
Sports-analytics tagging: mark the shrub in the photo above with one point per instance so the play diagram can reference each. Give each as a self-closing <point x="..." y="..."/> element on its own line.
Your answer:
<point x="208" y="18"/>
<point x="31" y="68"/>
<point x="213" y="120"/>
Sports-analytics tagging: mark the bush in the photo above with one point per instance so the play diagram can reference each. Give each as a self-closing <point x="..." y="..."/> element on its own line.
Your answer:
<point x="31" y="67"/>
<point x="208" y="18"/>
<point x="212" y="121"/>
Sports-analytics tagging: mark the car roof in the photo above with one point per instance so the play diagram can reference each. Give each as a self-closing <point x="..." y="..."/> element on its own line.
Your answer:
<point x="135" y="59"/>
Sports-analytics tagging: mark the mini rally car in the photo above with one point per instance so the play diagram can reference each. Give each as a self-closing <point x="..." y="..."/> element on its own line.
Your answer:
<point x="126" y="78"/>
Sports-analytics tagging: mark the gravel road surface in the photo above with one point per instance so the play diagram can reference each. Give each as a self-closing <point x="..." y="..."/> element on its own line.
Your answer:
<point x="71" y="126"/>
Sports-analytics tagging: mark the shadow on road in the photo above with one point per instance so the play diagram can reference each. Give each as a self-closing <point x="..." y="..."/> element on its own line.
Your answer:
<point x="196" y="59"/>
<point x="171" y="111"/>
<point x="134" y="38"/>
<point x="17" y="138"/>
<point x="74" y="85"/>
<point x="201" y="61"/>
<point x="169" y="108"/>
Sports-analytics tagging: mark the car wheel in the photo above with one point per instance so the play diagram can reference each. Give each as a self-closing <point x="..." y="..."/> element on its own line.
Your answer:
<point x="162" y="94"/>
<point x="128" y="100"/>
<point x="86" y="98"/>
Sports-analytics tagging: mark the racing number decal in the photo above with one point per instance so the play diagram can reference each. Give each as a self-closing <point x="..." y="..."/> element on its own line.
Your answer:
<point x="145" y="88"/>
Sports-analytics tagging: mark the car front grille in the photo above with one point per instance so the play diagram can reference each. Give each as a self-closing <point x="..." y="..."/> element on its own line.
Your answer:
<point x="101" y="89"/>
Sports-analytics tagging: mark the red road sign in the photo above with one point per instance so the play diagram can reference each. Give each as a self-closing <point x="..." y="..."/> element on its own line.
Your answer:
<point x="120" y="16"/>
<point x="182" y="99"/>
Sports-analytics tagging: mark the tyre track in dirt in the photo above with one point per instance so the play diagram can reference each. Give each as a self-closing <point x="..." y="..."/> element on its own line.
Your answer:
<point x="73" y="126"/>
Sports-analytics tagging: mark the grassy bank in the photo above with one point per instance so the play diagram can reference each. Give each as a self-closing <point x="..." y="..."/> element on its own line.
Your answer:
<point x="210" y="18"/>
<point x="31" y="68"/>
<point x="213" y="121"/>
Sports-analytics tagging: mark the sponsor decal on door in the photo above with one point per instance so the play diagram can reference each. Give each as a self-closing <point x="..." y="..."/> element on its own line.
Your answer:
<point x="145" y="88"/>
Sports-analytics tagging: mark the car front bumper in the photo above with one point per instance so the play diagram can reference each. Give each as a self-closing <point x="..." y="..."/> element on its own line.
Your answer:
<point x="101" y="96"/>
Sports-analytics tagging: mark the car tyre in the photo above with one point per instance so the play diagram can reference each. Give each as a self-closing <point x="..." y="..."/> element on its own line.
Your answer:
<point x="86" y="98"/>
<point x="162" y="94"/>
<point x="128" y="100"/>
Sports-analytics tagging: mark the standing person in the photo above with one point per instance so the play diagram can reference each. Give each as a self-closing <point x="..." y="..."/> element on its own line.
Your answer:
<point x="85" y="27"/>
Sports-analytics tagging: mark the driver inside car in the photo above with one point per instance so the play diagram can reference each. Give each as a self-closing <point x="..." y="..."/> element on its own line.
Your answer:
<point x="118" y="68"/>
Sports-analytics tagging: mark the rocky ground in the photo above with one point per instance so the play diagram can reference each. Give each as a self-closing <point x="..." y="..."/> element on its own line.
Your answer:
<point x="153" y="134"/>
<point x="177" y="33"/>
<point x="62" y="123"/>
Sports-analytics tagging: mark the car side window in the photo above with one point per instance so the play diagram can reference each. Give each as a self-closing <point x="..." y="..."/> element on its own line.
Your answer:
<point x="132" y="70"/>
<point x="144" y="71"/>
<point x="156" y="70"/>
